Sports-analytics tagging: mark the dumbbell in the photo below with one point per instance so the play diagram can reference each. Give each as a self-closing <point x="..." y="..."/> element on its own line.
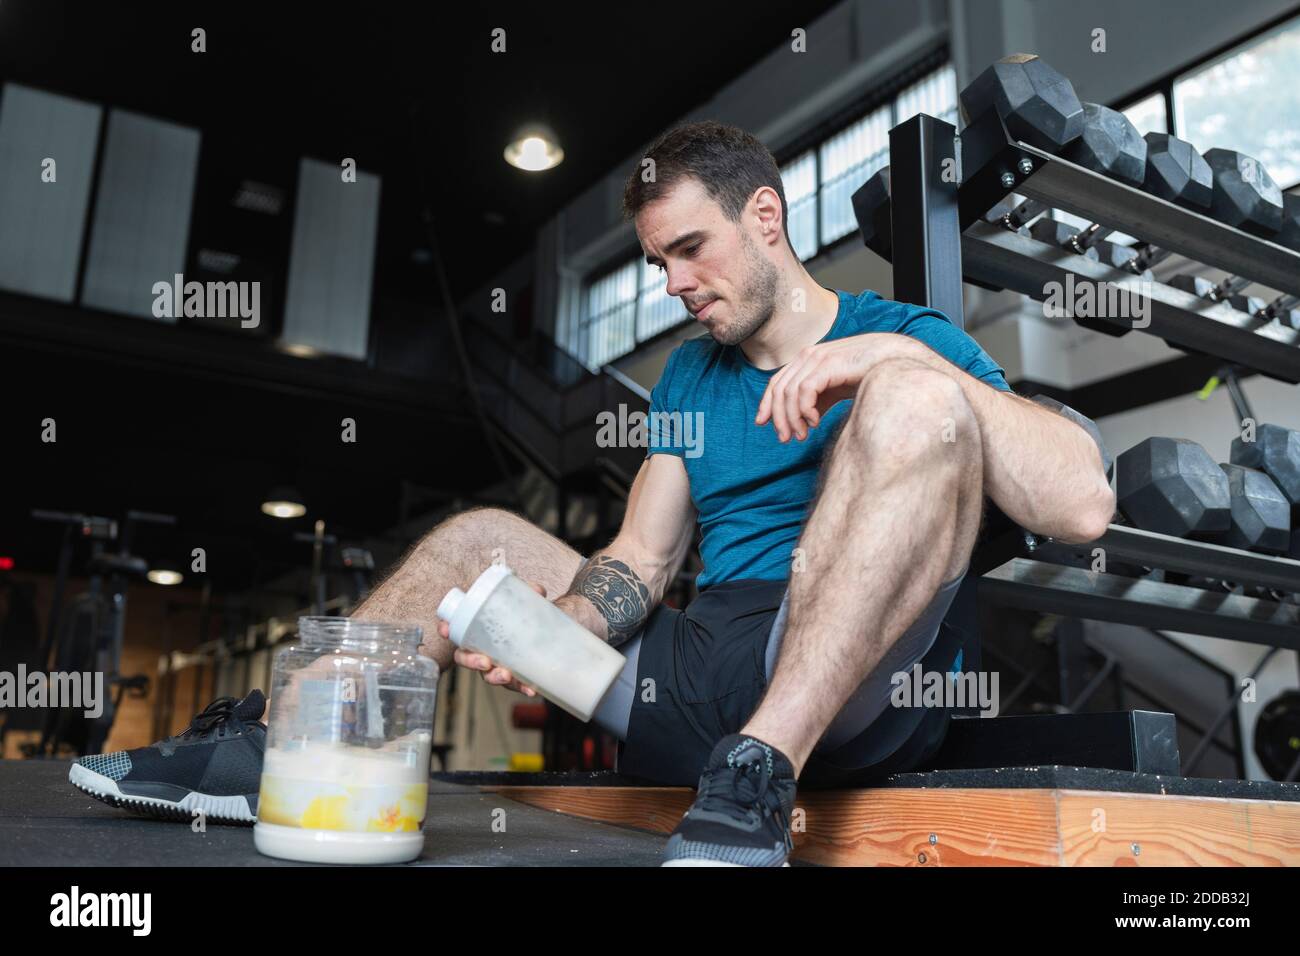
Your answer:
<point x="1176" y="171"/>
<point x="1275" y="452"/>
<point x="1264" y="474"/>
<point x="872" y="210"/>
<point x="1260" y="514"/>
<point x="1245" y="195"/>
<point x="1037" y="104"/>
<point x="1172" y="486"/>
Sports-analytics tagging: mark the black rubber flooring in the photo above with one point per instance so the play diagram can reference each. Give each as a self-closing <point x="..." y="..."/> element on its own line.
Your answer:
<point x="45" y="821"/>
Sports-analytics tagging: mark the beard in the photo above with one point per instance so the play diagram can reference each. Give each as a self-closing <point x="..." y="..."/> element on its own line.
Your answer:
<point x="757" y="300"/>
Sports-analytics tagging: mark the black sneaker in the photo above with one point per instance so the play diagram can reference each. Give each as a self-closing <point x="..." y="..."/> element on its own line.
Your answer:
<point x="214" y="765"/>
<point x="741" y="813"/>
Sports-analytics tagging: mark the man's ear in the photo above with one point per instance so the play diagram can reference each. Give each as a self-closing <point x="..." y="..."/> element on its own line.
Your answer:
<point x="767" y="208"/>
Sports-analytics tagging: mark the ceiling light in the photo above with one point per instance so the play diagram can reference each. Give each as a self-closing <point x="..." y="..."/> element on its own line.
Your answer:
<point x="222" y="263"/>
<point x="164" y="576"/>
<point x="534" y="148"/>
<point x="284" y="503"/>
<point x="259" y="197"/>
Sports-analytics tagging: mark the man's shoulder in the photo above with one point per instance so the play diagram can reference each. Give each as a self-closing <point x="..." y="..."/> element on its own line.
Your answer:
<point x="868" y="310"/>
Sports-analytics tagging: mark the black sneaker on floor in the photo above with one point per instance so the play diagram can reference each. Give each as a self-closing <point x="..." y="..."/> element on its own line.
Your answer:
<point x="741" y="813"/>
<point x="214" y="765"/>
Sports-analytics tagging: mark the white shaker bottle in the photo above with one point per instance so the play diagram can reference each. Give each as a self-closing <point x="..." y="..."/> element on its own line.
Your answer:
<point x="504" y="618"/>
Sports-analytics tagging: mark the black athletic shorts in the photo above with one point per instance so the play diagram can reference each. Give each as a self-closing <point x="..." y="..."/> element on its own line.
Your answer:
<point x="700" y="675"/>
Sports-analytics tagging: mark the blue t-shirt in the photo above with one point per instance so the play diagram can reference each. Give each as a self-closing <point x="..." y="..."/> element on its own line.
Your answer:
<point x="751" y="491"/>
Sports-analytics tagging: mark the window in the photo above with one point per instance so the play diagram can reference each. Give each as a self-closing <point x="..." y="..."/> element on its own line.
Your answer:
<point x="332" y="260"/>
<point x="799" y="179"/>
<point x="1149" y="114"/>
<point x="847" y="161"/>
<point x="935" y="93"/>
<point x="609" y="312"/>
<point x="1240" y="102"/>
<point x="141" y="222"/>
<point x="656" y="310"/>
<point x="41" y="224"/>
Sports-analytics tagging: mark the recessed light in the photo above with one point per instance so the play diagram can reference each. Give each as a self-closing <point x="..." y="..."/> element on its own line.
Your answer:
<point x="534" y="148"/>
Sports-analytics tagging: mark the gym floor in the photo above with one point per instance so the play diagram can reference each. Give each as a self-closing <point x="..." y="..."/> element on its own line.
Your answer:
<point x="46" y="822"/>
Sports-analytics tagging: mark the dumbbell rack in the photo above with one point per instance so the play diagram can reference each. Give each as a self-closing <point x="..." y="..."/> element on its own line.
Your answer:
<point x="940" y="239"/>
<point x="991" y="158"/>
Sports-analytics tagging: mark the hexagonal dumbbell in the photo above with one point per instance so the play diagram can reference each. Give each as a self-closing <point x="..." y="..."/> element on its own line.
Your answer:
<point x="1245" y="195"/>
<point x="1276" y="452"/>
<point x="1177" y="172"/>
<point x="1109" y="144"/>
<point x="1037" y="104"/>
<point x="1260" y="515"/>
<point x="871" y="207"/>
<point x="1173" y="486"/>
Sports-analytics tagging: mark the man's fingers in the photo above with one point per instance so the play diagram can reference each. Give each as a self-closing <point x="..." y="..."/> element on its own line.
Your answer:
<point x="472" y="660"/>
<point x="793" y="412"/>
<point x="810" y="390"/>
<point x="778" y="410"/>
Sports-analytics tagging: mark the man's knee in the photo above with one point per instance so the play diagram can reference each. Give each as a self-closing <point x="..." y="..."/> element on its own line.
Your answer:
<point x="907" y="414"/>
<point x="477" y="526"/>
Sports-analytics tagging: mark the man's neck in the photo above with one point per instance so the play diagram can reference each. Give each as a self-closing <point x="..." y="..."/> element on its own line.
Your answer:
<point x="787" y="331"/>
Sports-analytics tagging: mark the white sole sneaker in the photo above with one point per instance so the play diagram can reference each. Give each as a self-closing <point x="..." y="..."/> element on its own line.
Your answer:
<point x="231" y="809"/>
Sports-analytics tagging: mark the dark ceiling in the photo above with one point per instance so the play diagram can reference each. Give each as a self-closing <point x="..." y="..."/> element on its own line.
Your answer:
<point x="413" y="91"/>
<point x="202" y="430"/>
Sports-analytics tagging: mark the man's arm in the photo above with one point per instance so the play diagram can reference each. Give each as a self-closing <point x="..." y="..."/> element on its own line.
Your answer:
<point x="618" y="587"/>
<point x="1041" y="469"/>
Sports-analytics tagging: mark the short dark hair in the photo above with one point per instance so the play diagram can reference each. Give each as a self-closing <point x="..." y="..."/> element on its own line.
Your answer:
<point x="730" y="163"/>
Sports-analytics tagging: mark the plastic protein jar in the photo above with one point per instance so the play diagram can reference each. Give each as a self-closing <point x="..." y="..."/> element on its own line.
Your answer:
<point x="346" y="773"/>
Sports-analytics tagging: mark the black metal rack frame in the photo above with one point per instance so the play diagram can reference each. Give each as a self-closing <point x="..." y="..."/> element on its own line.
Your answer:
<point x="940" y="238"/>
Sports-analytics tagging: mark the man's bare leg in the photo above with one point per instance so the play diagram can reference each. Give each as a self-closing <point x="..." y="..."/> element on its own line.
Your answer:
<point x="454" y="554"/>
<point x="896" y="517"/>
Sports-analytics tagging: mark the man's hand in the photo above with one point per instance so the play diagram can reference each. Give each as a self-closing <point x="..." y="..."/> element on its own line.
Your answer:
<point x="821" y="376"/>
<point x="490" y="671"/>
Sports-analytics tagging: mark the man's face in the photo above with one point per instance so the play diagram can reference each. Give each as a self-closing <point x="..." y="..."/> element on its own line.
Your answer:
<point x="721" y="274"/>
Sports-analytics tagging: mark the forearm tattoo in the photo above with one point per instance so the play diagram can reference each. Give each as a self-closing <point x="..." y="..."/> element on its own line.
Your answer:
<point x="617" y="593"/>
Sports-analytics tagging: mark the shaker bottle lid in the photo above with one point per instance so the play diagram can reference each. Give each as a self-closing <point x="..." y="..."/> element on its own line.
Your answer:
<point x="458" y="607"/>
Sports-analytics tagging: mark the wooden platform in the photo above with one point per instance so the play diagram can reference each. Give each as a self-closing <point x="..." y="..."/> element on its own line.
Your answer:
<point x="1137" y="820"/>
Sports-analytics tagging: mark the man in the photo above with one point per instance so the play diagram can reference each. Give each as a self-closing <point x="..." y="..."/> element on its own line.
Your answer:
<point x="767" y="666"/>
<point x="900" y="418"/>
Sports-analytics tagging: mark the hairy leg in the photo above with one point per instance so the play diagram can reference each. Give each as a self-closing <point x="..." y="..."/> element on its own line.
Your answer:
<point x="896" y="517"/>
<point x="455" y="553"/>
